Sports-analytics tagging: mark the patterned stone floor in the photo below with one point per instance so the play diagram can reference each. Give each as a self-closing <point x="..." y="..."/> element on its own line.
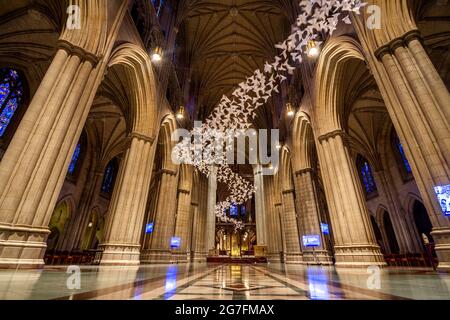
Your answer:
<point x="222" y="282"/>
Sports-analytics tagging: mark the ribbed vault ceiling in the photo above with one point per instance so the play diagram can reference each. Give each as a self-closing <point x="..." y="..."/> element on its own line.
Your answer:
<point x="227" y="40"/>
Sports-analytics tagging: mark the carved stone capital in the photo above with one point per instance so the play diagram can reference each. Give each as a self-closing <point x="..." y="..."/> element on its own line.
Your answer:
<point x="80" y="52"/>
<point x="288" y="191"/>
<point x="333" y="134"/>
<point x="303" y="171"/>
<point x="140" y="136"/>
<point x="169" y="172"/>
<point x="184" y="191"/>
<point x="402" y="41"/>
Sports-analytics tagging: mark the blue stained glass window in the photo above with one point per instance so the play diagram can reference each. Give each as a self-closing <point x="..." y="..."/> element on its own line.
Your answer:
<point x="243" y="211"/>
<point x="74" y="161"/>
<point x="11" y="95"/>
<point x="234" y="211"/>
<point x="367" y="178"/>
<point x="109" y="177"/>
<point x="159" y="6"/>
<point x="403" y="156"/>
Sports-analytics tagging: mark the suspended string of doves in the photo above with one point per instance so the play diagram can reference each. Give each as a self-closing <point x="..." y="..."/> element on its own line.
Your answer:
<point x="234" y="114"/>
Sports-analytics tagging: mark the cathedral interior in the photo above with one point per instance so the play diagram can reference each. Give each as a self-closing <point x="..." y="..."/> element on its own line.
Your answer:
<point x="92" y="93"/>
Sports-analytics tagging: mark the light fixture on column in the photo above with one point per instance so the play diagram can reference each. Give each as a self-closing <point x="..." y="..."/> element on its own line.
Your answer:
<point x="290" y="110"/>
<point x="279" y="146"/>
<point x="313" y="49"/>
<point x="157" y="54"/>
<point x="180" y="113"/>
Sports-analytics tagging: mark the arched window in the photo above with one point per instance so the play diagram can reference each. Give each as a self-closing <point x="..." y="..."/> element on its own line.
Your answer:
<point x="74" y="161"/>
<point x="159" y="6"/>
<point x="77" y="158"/>
<point x="11" y="96"/>
<point x="400" y="156"/>
<point x="109" y="177"/>
<point x="366" y="175"/>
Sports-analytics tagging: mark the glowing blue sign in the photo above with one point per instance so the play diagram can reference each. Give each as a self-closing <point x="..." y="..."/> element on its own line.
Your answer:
<point x="325" y="228"/>
<point x="175" y="242"/>
<point x="149" y="228"/>
<point x="443" y="195"/>
<point x="234" y="211"/>
<point x="312" y="240"/>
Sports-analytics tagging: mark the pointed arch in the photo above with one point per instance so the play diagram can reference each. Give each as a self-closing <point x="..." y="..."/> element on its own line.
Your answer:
<point x="285" y="171"/>
<point x="139" y="86"/>
<point x="334" y="82"/>
<point x="168" y="127"/>
<point x="303" y="142"/>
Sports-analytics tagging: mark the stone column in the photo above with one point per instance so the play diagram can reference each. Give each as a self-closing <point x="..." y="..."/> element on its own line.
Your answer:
<point x="309" y="217"/>
<point x="164" y="225"/>
<point x="293" y="253"/>
<point x="79" y="224"/>
<point x="183" y="225"/>
<point x="124" y="223"/>
<point x="210" y="234"/>
<point x="200" y="213"/>
<point x="355" y="244"/>
<point x="36" y="162"/>
<point x="417" y="101"/>
<point x="260" y="207"/>
<point x="424" y="100"/>
<point x="274" y="234"/>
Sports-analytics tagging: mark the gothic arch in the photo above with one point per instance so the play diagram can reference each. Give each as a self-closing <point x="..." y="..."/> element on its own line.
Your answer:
<point x="333" y="95"/>
<point x="168" y="127"/>
<point x="303" y="142"/>
<point x="285" y="170"/>
<point x="138" y="88"/>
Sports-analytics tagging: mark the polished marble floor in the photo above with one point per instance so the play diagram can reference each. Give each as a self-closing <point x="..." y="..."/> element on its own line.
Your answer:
<point x="222" y="282"/>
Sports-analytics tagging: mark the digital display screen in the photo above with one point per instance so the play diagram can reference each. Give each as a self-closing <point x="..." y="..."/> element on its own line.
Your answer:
<point x="175" y="242"/>
<point x="311" y="240"/>
<point x="234" y="211"/>
<point x="149" y="228"/>
<point x="443" y="195"/>
<point x="325" y="228"/>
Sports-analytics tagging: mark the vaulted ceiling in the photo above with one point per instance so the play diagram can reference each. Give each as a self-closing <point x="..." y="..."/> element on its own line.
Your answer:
<point x="227" y="40"/>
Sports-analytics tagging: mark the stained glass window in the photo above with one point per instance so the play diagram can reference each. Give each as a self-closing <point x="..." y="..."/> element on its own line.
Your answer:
<point x="11" y="95"/>
<point x="159" y="6"/>
<point x="366" y="175"/>
<point x="405" y="162"/>
<point x="234" y="211"/>
<point x="74" y="161"/>
<point x="109" y="177"/>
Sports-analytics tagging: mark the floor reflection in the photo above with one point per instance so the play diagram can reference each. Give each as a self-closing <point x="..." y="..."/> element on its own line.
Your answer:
<point x="223" y="282"/>
<point x="318" y="283"/>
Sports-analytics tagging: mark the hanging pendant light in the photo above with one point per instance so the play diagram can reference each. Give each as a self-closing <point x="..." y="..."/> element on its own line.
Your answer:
<point x="157" y="54"/>
<point x="180" y="113"/>
<point x="290" y="110"/>
<point x="313" y="49"/>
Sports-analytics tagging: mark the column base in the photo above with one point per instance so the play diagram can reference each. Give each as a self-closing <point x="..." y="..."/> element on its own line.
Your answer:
<point x="274" y="257"/>
<point x="199" y="257"/>
<point x="293" y="258"/>
<point x="180" y="257"/>
<point x="154" y="256"/>
<point x="120" y="255"/>
<point x="22" y="247"/>
<point x="359" y="256"/>
<point x="318" y="257"/>
<point x="441" y="237"/>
